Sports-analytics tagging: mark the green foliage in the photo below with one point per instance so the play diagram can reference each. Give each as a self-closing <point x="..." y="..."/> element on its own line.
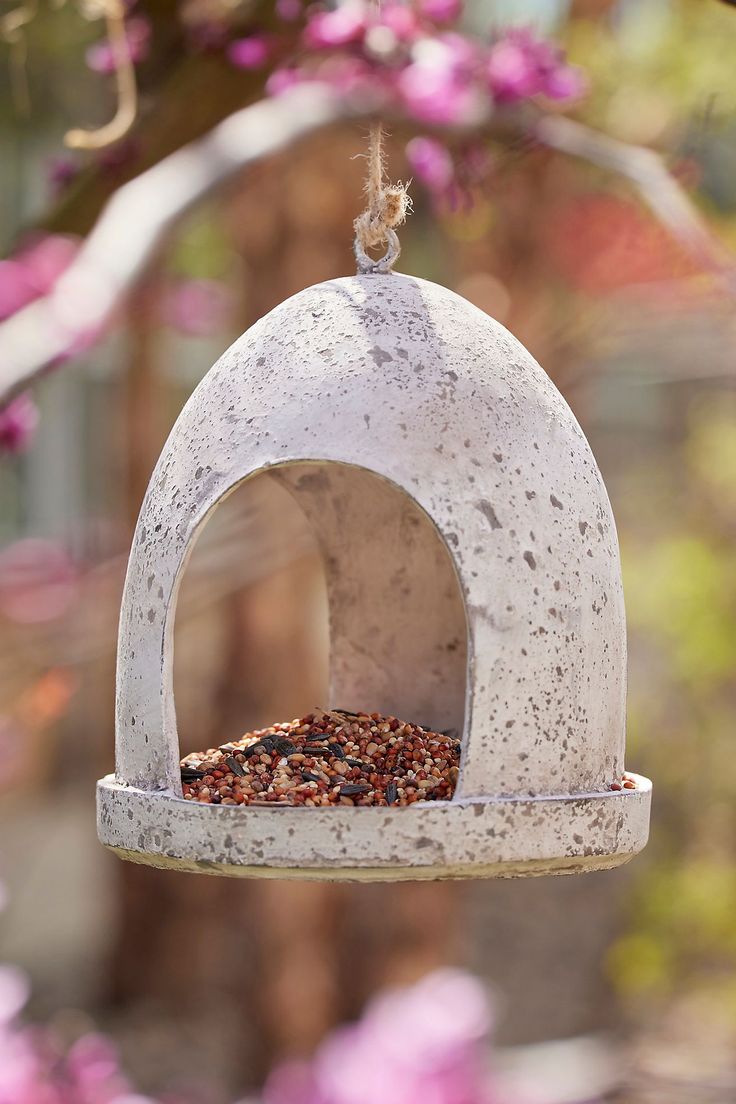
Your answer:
<point x="681" y="599"/>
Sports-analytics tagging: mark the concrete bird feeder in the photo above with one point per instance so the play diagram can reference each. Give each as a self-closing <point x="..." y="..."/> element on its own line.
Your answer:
<point x="473" y="579"/>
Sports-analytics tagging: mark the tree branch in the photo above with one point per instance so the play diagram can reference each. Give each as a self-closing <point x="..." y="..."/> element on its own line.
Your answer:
<point x="661" y="192"/>
<point x="140" y="213"/>
<point x="135" y="220"/>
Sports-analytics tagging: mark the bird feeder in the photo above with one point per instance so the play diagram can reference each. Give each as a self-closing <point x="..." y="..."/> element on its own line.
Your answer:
<point x="473" y="580"/>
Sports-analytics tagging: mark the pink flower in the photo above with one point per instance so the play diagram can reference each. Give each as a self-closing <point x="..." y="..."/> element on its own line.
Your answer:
<point x="18" y="422"/>
<point x="431" y="163"/>
<point x="61" y="172"/>
<point x="520" y="66"/>
<point x="33" y="271"/>
<point x="281" y="80"/>
<point x="439" y="86"/>
<point x="16" y="287"/>
<point x="38" y="581"/>
<point x="512" y="72"/>
<point x="423" y="1043"/>
<point x="101" y="57"/>
<point x="198" y="307"/>
<point x="340" y="27"/>
<point x="45" y="258"/>
<point x="14" y="992"/>
<point x="252" y="52"/>
<point x="566" y="82"/>
<point x="400" y="20"/>
<point x="441" y="11"/>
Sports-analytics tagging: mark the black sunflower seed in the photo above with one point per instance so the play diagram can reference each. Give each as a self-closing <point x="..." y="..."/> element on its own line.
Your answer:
<point x="285" y="747"/>
<point x="358" y="763"/>
<point x="235" y="766"/>
<point x="309" y="777"/>
<point x="336" y="750"/>
<point x="191" y="774"/>
<point x="308" y="749"/>
<point x="264" y="746"/>
<point x="353" y="788"/>
<point x="391" y="793"/>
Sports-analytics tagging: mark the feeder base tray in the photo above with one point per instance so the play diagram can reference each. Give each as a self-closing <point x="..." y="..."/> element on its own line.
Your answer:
<point x="462" y="838"/>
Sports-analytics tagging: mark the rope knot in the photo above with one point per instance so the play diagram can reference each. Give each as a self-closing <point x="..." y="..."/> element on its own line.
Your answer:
<point x="387" y="207"/>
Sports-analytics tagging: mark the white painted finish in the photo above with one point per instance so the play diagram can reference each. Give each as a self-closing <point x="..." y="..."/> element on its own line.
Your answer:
<point x="466" y="531"/>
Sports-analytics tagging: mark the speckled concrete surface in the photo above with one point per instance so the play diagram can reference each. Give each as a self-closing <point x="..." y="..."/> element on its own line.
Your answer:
<point x="474" y="582"/>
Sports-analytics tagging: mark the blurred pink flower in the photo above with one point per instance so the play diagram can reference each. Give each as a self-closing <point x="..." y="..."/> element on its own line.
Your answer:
<point x="441" y="11"/>
<point x="281" y="80"/>
<point x="399" y="19"/>
<point x="38" y="581"/>
<point x="429" y="1038"/>
<point x="101" y="58"/>
<point x="33" y="270"/>
<point x="338" y="27"/>
<point x="14" y="993"/>
<point x="431" y="163"/>
<point x="45" y="258"/>
<point x="439" y="87"/>
<point x="198" y="307"/>
<point x="16" y="288"/>
<point x="61" y="172"/>
<point x="252" y="52"/>
<point x="521" y="65"/>
<point x="18" y="423"/>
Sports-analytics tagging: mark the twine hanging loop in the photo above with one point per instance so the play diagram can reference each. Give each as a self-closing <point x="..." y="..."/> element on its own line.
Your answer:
<point x="386" y="208"/>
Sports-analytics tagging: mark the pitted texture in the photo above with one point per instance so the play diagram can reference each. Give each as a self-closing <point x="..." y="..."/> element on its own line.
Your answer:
<point x="416" y="411"/>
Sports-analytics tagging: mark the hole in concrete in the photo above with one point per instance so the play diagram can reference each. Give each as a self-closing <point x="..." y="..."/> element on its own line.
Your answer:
<point x="317" y="583"/>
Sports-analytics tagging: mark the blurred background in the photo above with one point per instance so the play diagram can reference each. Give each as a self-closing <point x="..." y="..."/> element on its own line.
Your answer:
<point x="618" y="985"/>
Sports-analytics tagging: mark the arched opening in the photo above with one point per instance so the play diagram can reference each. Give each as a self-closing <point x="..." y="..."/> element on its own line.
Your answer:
<point x="317" y="583"/>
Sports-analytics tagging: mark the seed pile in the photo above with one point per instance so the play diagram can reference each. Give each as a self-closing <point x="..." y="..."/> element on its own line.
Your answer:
<point x="327" y="758"/>
<point x="626" y="783"/>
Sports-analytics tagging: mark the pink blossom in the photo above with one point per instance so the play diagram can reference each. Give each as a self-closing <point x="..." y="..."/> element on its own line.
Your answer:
<point x="429" y="1038"/>
<point x="400" y="20"/>
<point x="512" y="72"/>
<point x="521" y="65"/>
<point x="33" y="270"/>
<point x="252" y="52"/>
<point x="16" y="287"/>
<point x="281" y="80"/>
<point x="198" y="307"/>
<point x="38" y="581"/>
<point x="101" y="57"/>
<point x="61" y="172"/>
<point x="45" y="258"/>
<point x="441" y="11"/>
<point x="14" y="993"/>
<point x="93" y="1068"/>
<point x="565" y="82"/>
<point x="439" y="86"/>
<point x="340" y="27"/>
<point x="18" y="423"/>
<point x="431" y="163"/>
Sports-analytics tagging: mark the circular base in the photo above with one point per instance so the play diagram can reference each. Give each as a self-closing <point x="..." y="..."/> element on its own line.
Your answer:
<point x="473" y="838"/>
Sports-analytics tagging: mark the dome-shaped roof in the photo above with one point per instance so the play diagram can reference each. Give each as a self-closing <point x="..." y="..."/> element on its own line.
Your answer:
<point x="404" y="379"/>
